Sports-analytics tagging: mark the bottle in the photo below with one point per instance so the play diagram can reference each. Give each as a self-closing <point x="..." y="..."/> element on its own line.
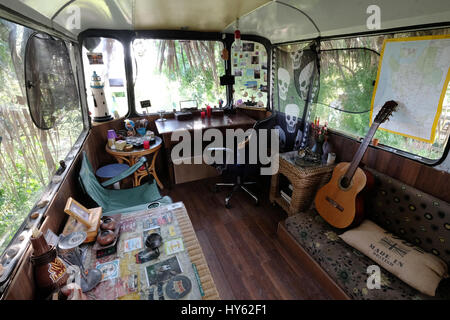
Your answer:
<point x="49" y="270"/>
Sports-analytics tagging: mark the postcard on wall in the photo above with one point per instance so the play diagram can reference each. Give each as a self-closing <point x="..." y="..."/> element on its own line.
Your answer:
<point x="238" y="73"/>
<point x="116" y="82"/>
<point x="110" y="269"/>
<point x="95" y="57"/>
<point x="132" y="244"/>
<point x="248" y="46"/>
<point x="250" y="72"/>
<point x="173" y="246"/>
<point x="251" y="84"/>
<point x="255" y="59"/>
<point x="257" y="74"/>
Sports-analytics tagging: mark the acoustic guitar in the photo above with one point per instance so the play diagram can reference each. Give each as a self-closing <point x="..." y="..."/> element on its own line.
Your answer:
<point x="339" y="201"/>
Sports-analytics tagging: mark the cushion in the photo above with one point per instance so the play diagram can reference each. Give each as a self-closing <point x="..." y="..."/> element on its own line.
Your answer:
<point x="413" y="215"/>
<point x="419" y="269"/>
<point x="346" y="265"/>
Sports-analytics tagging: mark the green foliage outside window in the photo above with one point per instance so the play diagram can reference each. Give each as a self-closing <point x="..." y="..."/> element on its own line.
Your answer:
<point x="346" y="88"/>
<point x="28" y="155"/>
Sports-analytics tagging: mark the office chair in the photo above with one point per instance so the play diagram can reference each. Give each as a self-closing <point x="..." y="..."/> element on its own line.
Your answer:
<point x="239" y="172"/>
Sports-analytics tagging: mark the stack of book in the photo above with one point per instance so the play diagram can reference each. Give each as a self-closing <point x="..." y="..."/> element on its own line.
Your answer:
<point x="285" y="189"/>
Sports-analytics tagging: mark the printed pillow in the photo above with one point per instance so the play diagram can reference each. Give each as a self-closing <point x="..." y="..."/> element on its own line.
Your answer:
<point x="411" y="264"/>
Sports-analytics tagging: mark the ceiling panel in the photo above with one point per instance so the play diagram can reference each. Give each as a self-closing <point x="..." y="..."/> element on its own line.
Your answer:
<point x="281" y="23"/>
<point x="46" y="8"/>
<point x="195" y="15"/>
<point x="98" y="14"/>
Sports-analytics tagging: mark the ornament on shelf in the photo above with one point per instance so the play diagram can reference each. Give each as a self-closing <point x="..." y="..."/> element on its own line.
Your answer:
<point x="101" y="111"/>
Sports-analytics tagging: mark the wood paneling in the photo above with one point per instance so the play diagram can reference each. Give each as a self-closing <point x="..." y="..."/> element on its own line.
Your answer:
<point x="413" y="173"/>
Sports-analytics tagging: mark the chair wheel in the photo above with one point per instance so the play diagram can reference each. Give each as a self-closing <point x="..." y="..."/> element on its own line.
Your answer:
<point x="227" y="203"/>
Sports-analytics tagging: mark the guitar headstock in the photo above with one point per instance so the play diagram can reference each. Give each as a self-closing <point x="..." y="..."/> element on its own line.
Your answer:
<point x="386" y="111"/>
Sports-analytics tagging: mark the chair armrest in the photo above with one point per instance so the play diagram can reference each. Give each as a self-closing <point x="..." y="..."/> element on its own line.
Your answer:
<point x="126" y="173"/>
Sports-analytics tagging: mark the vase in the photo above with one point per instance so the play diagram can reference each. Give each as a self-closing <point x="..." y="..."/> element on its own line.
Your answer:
<point x="317" y="147"/>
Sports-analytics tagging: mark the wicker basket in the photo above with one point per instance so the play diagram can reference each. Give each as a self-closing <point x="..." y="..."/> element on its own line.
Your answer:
<point x="305" y="181"/>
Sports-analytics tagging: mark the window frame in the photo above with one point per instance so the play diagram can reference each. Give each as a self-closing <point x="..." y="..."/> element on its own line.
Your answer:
<point x="136" y="36"/>
<point x="48" y="192"/>
<point x="402" y="153"/>
<point x="126" y="37"/>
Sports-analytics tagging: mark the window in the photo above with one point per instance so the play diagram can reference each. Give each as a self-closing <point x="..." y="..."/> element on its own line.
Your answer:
<point x="249" y="67"/>
<point x="105" y="57"/>
<point x="28" y="155"/>
<point x="174" y="72"/>
<point x="348" y="72"/>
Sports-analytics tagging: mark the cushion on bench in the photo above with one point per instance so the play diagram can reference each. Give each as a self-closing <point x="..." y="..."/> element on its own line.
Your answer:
<point x="346" y="265"/>
<point x="412" y="215"/>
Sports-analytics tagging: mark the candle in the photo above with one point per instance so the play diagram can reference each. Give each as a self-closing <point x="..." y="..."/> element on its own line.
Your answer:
<point x="331" y="158"/>
<point x="208" y="111"/>
<point x="202" y="114"/>
<point x="146" y="144"/>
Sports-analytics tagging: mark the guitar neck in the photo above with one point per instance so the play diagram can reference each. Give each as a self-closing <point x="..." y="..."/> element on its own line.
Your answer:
<point x="360" y="153"/>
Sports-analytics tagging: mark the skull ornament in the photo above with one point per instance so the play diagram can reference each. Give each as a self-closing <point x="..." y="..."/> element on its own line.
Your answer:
<point x="304" y="80"/>
<point x="296" y="57"/>
<point x="284" y="80"/>
<point x="291" y="112"/>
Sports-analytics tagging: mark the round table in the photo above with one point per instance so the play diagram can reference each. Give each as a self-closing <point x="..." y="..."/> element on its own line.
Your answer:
<point x="132" y="156"/>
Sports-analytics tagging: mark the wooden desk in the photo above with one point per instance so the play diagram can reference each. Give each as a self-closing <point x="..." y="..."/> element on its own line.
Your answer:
<point x="131" y="157"/>
<point x="166" y="128"/>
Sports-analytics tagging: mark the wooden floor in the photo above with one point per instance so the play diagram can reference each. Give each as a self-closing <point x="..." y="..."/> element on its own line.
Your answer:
<point x="241" y="247"/>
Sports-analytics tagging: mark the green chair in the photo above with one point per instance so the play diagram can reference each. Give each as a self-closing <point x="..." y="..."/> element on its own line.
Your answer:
<point x="124" y="200"/>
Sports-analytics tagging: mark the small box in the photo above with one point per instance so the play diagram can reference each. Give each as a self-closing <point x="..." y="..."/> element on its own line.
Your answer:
<point x="120" y="144"/>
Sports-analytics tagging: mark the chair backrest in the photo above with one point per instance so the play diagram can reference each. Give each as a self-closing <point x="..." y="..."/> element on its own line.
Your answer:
<point x="90" y="183"/>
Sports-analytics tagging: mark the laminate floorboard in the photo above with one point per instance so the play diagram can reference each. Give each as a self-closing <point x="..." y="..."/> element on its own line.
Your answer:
<point x="241" y="246"/>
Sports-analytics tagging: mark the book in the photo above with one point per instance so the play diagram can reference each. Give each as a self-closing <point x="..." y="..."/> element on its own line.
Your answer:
<point x="285" y="196"/>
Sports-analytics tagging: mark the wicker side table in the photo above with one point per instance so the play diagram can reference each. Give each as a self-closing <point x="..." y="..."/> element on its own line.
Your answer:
<point x="305" y="182"/>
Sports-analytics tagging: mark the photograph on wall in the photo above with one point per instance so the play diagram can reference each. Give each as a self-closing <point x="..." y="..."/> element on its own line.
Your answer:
<point x="116" y="82"/>
<point x="248" y="46"/>
<point x="95" y="57"/>
<point x="238" y="73"/>
<point x="255" y="59"/>
<point x="251" y="84"/>
<point x="257" y="74"/>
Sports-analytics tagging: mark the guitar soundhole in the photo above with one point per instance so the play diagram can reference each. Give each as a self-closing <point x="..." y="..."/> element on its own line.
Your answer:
<point x="344" y="183"/>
